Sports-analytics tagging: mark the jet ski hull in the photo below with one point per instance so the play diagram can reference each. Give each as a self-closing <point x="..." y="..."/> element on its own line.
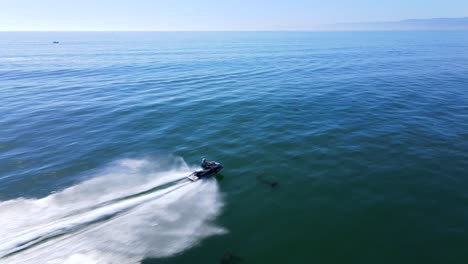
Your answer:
<point x="205" y="173"/>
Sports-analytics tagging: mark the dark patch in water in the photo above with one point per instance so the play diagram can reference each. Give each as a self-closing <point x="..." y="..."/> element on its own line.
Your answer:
<point x="272" y="184"/>
<point x="229" y="258"/>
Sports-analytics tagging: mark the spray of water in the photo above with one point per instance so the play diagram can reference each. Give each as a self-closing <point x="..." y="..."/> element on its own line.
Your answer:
<point x="133" y="210"/>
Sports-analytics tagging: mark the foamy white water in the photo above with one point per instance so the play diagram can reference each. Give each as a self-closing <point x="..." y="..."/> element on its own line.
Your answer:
<point x="135" y="209"/>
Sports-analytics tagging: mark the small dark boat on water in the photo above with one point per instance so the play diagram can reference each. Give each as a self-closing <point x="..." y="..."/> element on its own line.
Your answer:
<point x="55" y="42"/>
<point x="209" y="168"/>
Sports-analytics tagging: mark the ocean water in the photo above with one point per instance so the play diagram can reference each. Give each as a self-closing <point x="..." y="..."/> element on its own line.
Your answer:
<point x="338" y="147"/>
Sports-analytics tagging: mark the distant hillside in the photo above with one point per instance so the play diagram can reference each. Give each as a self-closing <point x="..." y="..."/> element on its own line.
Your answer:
<point x="410" y="24"/>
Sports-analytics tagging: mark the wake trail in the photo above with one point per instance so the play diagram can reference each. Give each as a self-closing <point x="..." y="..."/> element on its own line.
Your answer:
<point x="76" y="222"/>
<point x="110" y="202"/>
<point x="141" y="211"/>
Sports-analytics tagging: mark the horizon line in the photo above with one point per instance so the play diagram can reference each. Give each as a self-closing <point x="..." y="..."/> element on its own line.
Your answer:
<point x="248" y="30"/>
<point x="311" y="28"/>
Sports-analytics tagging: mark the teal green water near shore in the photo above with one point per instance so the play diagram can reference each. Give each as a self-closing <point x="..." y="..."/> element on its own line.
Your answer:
<point x="365" y="134"/>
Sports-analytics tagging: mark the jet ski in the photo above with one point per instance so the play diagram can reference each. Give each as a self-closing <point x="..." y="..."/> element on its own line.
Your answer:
<point x="209" y="168"/>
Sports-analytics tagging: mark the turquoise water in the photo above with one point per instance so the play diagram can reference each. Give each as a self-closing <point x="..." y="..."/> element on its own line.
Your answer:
<point x="364" y="134"/>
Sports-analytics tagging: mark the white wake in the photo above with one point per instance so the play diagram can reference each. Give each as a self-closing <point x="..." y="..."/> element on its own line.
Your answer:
<point x="135" y="209"/>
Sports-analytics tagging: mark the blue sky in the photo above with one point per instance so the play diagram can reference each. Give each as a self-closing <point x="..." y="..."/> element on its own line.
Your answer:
<point x="213" y="14"/>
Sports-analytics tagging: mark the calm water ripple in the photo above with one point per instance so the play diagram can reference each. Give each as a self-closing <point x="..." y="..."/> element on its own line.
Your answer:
<point x="365" y="133"/>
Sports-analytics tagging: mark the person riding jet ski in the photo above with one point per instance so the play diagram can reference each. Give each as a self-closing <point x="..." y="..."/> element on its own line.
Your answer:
<point x="208" y="168"/>
<point x="206" y="164"/>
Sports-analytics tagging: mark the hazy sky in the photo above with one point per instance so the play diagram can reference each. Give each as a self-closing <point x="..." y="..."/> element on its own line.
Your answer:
<point x="213" y="14"/>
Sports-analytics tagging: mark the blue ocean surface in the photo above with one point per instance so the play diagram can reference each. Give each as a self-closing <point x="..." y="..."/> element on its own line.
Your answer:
<point x="338" y="147"/>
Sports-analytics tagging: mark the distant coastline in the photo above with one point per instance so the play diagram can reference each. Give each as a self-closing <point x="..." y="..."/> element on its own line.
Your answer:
<point x="409" y="24"/>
